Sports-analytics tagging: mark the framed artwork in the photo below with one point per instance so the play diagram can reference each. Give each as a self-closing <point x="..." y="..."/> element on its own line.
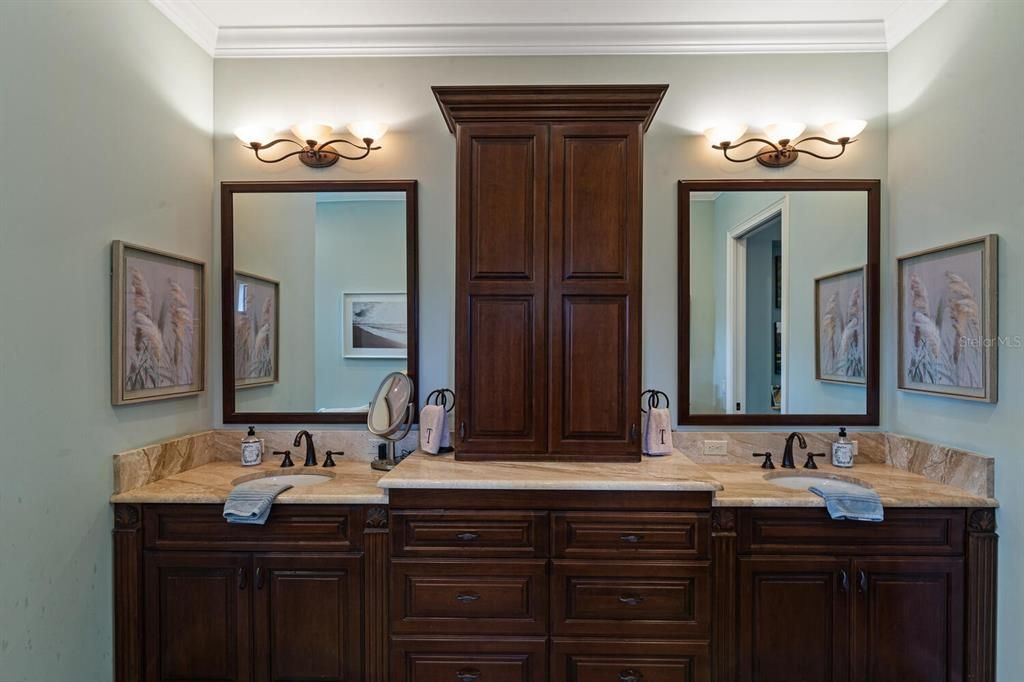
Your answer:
<point x="948" y="326"/>
<point x="257" y="339"/>
<point x="158" y="337"/>
<point x="839" y="327"/>
<point x="374" y="325"/>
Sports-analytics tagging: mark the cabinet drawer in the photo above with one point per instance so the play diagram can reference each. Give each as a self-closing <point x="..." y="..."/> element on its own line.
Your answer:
<point x="625" y="661"/>
<point x="631" y="599"/>
<point x="468" y="660"/>
<point x="289" y="527"/>
<point x="469" y="597"/>
<point x="469" y="533"/>
<point x="812" y="531"/>
<point x="654" y="535"/>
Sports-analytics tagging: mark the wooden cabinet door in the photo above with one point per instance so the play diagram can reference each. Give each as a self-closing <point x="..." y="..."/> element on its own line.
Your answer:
<point x="307" y="618"/>
<point x="501" y="282"/>
<point x="908" y="619"/>
<point x="793" y="621"/>
<point x="594" y="290"/>
<point x="197" y="613"/>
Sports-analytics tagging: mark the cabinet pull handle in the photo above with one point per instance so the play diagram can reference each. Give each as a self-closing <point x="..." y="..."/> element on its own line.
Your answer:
<point x="462" y="432"/>
<point x="844" y="581"/>
<point x="633" y="539"/>
<point x="631" y="600"/>
<point x="259" y="577"/>
<point x="631" y="676"/>
<point x="632" y="433"/>
<point x="242" y="579"/>
<point x="468" y="537"/>
<point x="467" y="597"/>
<point x="468" y="675"/>
<point x="862" y="581"/>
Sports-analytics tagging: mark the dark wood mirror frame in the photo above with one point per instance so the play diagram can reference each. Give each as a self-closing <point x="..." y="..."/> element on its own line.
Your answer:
<point x="227" y="264"/>
<point x="873" y="188"/>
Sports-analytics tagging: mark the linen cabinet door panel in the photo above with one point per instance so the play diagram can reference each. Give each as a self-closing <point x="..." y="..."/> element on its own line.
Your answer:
<point x="908" y="620"/>
<point x="793" y="621"/>
<point x="198" y="617"/>
<point x="501" y="275"/>
<point x="307" y="618"/>
<point x="594" y="291"/>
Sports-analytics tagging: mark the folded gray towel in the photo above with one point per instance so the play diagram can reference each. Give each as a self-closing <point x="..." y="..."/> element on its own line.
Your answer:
<point x="850" y="506"/>
<point x="250" y="502"/>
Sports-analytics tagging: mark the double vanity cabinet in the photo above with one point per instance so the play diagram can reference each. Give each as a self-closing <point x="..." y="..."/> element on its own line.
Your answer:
<point x="448" y="584"/>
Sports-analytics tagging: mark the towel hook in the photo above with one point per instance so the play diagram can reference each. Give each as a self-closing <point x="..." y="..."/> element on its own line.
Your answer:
<point x="654" y="398"/>
<point x="439" y="396"/>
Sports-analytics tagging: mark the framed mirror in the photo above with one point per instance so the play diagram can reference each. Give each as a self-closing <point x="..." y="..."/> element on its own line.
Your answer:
<point x="779" y="302"/>
<point x="319" y="299"/>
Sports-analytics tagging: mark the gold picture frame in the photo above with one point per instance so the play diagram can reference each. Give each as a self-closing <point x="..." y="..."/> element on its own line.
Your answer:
<point x="158" y="330"/>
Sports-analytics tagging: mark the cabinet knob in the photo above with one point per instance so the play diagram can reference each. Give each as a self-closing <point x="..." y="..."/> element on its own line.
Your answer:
<point x="467" y="537"/>
<point x="242" y="579"/>
<point x="259" y="577"/>
<point x="862" y="581"/>
<point x="468" y="675"/>
<point x="462" y="430"/>
<point x="632" y="433"/>
<point x="632" y="539"/>
<point x="631" y="600"/>
<point x="844" y="580"/>
<point x="467" y="597"/>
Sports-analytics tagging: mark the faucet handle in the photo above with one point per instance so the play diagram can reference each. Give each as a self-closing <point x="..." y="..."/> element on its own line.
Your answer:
<point x="767" y="463"/>
<point x="329" y="458"/>
<point x="810" y="463"/>
<point x="287" y="461"/>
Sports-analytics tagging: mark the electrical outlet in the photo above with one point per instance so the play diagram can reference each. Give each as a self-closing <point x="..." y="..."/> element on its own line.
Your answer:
<point x="371" y="446"/>
<point x="716" y="447"/>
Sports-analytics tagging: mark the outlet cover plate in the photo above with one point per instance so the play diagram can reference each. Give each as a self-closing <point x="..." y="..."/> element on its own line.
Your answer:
<point x="716" y="447"/>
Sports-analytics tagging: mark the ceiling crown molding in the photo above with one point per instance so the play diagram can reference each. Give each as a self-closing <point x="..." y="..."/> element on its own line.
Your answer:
<point x="907" y="17"/>
<point x="187" y="16"/>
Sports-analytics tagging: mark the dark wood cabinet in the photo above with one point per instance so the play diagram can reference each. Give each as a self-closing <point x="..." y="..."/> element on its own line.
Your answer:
<point x="548" y="268"/>
<point x="198" y="615"/>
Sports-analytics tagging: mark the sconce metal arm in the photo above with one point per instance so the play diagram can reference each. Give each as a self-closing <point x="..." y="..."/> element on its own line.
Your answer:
<point x="256" y="148"/>
<point x="841" y="143"/>
<point x="725" y="150"/>
<point x="366" y="147"/>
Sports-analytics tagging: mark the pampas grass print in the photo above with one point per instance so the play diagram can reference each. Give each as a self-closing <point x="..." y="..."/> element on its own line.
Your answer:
<point x="161" y="351"/>
<point x="938" y="354"/>
<point x="841" y="336"/>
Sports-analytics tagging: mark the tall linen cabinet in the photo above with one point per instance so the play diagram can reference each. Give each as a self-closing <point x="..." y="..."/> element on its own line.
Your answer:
<point x="549" y="196"/>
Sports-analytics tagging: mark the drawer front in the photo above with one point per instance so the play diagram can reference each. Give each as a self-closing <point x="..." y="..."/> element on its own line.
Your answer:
<point x="468" y="660"/>
<point x="624" y="661"/>
<point x="811" y="531"/>
<point x="469" y="597"/>
<point x="290" y="526"/>
<point x="630" y="599"/>
<point x="650" y="535"/>
<point x="469" y="533"/>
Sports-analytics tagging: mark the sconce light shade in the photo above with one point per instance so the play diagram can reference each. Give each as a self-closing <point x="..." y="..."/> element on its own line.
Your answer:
<point x="785" y="130"/>
<point x="250" y="134"/>
<point x="838" y="130"/>
<point x="368" y="130"/>
<point x="728" y="133"/>
<point x="318" y="132"/>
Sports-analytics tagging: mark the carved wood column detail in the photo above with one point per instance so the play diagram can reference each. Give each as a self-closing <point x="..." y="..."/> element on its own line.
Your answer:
<point x="724" y="566"/>
<point x="377" y="559"/>
<point x="981" y="564"/>
<point x="128" y="628"/>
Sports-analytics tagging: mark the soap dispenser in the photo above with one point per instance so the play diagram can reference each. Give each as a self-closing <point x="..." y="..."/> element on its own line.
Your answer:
<point x="842" y="451"/>
<point x="252" y="449"/>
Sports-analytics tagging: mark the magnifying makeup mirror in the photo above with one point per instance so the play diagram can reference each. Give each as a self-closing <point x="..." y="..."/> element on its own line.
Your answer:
<point x="392" y="411"/>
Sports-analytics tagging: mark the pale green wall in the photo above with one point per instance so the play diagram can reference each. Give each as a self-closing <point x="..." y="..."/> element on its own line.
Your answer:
<point x="955" y="150"/>
<point x="703" y="350"/>
<point x="704" y="89"/>
<point x="275" y="237"/>
<point x="106" y="110"/>
<point x="360" y="248"/>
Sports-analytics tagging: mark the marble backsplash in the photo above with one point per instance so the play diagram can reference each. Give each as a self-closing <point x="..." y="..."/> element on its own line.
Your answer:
<point x="969" y="471"/>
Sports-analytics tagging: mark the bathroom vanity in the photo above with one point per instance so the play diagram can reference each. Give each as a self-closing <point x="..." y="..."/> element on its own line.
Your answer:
<point x="663" y="570"/>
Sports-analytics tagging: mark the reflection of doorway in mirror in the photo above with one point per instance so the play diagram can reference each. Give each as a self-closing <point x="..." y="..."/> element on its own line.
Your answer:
<point x="756" y="316"/>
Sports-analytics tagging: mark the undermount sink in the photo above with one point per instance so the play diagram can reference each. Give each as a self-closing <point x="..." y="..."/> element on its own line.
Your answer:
<point x="294" y="480"/>
<point x="826" y="482"/>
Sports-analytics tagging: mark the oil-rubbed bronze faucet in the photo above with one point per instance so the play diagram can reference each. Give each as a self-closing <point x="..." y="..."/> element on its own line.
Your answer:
<point x="787" y="454"/>
<point x="310" y="450"/>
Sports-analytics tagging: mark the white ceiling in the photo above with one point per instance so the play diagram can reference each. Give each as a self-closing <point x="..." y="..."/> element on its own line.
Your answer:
<point x="265" y="28"/>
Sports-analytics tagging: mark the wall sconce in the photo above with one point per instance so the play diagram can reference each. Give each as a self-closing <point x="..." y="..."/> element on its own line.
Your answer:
<point x="312" y="151"/>
<point x="780" y="150"/>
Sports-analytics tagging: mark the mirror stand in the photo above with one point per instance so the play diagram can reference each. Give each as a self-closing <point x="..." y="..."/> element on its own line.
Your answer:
<point x="392" y="412"/>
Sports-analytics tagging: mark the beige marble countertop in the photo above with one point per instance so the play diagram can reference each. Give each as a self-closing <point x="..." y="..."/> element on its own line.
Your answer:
<point x="353" y="482"/>
<point x="672" y="472"/>
<point x="745" y="486"/>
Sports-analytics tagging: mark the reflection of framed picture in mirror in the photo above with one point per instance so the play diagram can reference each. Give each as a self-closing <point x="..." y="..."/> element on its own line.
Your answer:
<point x="257" y="303"/>
<point x="948" y="325"/>
<point x="158" y="341"/>
<point x="375" y="325"/>
<point x="839" y="305"/>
